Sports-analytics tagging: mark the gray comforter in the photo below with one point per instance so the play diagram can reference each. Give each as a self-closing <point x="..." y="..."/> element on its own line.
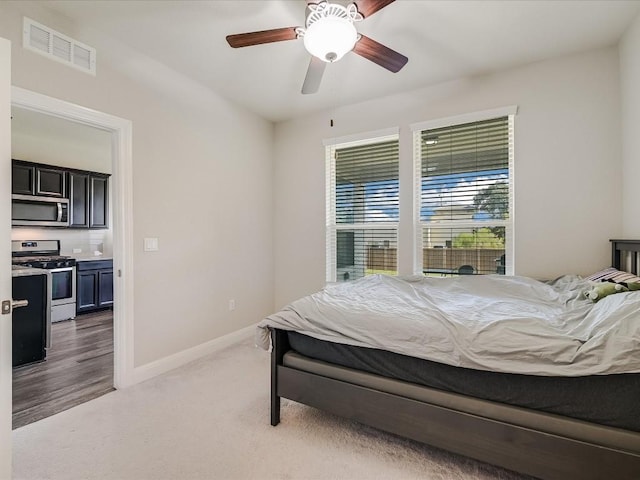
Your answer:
<point x="497" y="323"/>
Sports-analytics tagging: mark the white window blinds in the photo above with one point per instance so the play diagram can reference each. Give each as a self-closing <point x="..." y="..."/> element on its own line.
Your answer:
<point x="362" y="208"/>
<point x="464" y="175"/>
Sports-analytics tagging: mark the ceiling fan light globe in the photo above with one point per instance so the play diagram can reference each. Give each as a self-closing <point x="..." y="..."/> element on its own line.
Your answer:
<point x="330" y="38"/>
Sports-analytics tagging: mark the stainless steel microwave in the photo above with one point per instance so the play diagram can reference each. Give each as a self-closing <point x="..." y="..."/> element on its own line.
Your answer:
<point x="35" y="211"/>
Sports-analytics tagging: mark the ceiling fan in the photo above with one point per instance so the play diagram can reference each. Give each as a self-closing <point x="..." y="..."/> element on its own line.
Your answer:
<point x="329" y="33"/>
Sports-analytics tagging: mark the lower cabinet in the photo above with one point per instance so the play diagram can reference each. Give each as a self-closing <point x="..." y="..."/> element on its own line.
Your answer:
<point x="94" y="285"/>
<point x="29" y="330"/>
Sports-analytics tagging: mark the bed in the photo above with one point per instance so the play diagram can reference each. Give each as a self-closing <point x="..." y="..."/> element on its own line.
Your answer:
<point x="547" y="420"/>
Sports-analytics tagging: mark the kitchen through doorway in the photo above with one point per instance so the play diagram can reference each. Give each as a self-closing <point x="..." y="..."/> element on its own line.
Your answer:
<point x="85" y="360"/>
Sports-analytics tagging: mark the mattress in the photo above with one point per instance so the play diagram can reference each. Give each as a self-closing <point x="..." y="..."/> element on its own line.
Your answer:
<point x="609" y="400"/>
<point x="515" y="325"/>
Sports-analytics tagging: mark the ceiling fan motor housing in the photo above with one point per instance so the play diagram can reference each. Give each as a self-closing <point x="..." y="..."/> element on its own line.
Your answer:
<point x="330" y="32"/>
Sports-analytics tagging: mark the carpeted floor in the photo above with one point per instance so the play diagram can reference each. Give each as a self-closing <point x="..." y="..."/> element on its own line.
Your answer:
<point x="210" y="420"/>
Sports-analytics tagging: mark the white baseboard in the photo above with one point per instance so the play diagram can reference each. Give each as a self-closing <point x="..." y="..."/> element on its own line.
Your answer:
<point x="157" y="367"/>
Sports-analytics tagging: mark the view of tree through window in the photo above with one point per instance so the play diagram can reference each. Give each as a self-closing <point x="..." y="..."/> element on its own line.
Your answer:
<point x="463" y="180"/>
<point x="464" y="197"/>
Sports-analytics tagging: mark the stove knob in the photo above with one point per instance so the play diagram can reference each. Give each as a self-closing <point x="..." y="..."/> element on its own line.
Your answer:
<point x="59" y="264"/>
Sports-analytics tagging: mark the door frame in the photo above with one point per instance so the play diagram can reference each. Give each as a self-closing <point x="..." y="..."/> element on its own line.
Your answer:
<point x="5" y="258"/>
<point x="122" y="203"/>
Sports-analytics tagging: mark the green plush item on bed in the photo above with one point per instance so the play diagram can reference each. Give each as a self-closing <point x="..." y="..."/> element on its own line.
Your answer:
<point x="600" y="290"/>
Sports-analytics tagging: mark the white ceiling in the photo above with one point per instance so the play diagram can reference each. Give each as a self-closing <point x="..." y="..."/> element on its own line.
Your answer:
<point x="444" y="40"/>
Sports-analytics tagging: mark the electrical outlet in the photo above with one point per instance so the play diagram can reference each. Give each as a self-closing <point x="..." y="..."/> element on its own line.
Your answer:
<point x="77" y="250"/>
<point x="232" y="305"/>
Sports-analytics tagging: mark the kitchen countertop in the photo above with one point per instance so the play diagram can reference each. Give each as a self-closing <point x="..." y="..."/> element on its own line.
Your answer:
<point x="90" y="258"/>
<point x="20" y="271"/>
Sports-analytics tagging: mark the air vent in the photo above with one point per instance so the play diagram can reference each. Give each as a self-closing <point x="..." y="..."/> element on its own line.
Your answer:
<point x="46" y="41"/>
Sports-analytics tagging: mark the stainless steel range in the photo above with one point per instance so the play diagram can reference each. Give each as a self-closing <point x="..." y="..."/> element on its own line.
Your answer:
<point x="45" y="254"/>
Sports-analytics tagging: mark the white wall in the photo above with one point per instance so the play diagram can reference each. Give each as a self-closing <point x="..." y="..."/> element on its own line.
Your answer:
<point x="202" y="185"/>
<point x="630" y="93"/>
<point x="36" y="137"/>
<point x="567" y="166"/>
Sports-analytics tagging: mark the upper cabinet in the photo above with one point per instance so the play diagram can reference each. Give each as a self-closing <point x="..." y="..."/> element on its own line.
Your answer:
<point x="34" y="179"/>
<point x="89" y="200"/>
<point x="23" y="179"/>
<point x="51" y="182"/>
<point x="88" y="192"/>
<point x="79" y="200"/>
<point x="99" y="201"/>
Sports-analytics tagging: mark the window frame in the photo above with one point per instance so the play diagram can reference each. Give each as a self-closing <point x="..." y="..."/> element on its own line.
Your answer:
<point x="331" y="224"/>
<point x="418" y="225"/>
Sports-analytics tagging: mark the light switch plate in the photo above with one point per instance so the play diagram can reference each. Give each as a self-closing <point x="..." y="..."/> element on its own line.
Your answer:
<point x="150" y="244"/>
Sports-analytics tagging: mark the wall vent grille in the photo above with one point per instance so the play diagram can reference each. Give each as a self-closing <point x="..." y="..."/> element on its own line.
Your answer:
<point x="57" y="46"/>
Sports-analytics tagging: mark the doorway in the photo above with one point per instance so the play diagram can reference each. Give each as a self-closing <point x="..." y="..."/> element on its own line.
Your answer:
<point x="79" y="358"/>
<point x="120" y="132"/>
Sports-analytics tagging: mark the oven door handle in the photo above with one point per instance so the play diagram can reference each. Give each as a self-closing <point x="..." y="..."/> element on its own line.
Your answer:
<point x="59" y="204"/>
<point x="61" y="269"/>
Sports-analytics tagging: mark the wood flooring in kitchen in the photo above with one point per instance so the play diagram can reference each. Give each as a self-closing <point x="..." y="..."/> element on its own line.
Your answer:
<point x="78" y="368"/>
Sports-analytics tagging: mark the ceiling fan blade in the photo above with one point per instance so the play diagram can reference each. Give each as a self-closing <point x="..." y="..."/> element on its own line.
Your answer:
<point x="369" y="7"/>
<point x="264" y="36"/>
<point x="378" y="53"/>
<point x="314" y="75"/>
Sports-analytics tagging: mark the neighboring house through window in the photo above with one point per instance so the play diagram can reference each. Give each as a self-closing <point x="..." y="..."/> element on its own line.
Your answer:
<point x="463" y="207"/>
<point x="464" y="201"/>
<point x="362" y="207"/>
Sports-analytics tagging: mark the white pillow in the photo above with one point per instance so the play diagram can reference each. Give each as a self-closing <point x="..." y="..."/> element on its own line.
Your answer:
<point x="613" y="274"/>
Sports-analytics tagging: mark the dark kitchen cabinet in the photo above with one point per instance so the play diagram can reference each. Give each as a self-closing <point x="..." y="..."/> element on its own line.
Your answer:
<point x="89" y="200"/>
<point x="34" y="179"/>
<point x="79" y="200"/>
<point x="94" y="285"/>
<point x="23" y="179"/>
<point x="88" y="192"/>
<point x="99" y="201"/>
<point x="51" y="182"/>
<point x="29" y="323"/>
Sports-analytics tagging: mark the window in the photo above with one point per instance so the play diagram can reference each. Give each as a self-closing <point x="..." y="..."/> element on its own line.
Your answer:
<point x="362" y="208"/>
<point x="464" y="206"/>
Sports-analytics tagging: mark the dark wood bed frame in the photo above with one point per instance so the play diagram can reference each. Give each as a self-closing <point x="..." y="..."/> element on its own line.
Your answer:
<point x="506" y="444"/>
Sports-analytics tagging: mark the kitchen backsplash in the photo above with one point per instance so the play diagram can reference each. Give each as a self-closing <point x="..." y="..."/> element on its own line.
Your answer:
<point x="87" y="241"/>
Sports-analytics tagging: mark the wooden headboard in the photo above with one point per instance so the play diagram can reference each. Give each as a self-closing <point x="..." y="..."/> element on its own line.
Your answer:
<point x="624" y="255"/>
